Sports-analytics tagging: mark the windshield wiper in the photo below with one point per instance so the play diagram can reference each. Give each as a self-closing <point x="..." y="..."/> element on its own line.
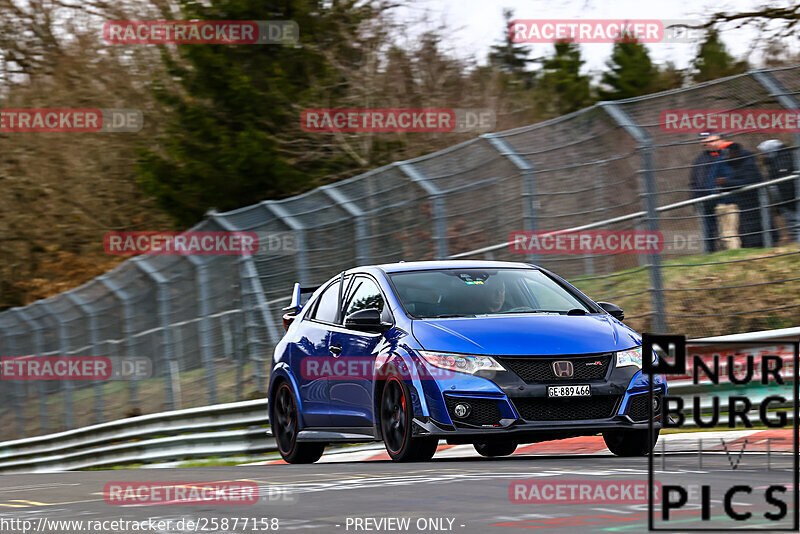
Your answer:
<point x="446" y="316"/>
<point x="528" y="311"/>
<point x="573" y="311"/>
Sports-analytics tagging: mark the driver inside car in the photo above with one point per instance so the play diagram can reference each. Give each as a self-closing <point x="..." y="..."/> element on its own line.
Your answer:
<point x="496" y="295"/>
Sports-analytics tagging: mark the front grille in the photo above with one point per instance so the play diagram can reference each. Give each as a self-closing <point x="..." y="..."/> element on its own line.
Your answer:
<point x="570" y="409"/>
<point x="534" y="369"/>
<point x="638" y="408"/>
<point x="483" y="411"/>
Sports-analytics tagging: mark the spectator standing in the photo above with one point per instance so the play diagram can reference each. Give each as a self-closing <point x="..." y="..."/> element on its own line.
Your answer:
<point x="743" y="170"/>
<point x="778" y="162"/>
<point x="706" y="168"/>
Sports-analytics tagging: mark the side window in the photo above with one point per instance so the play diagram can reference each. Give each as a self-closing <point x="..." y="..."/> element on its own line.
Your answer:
<point x="326" y="307"/>
<point x="365" y="295"/>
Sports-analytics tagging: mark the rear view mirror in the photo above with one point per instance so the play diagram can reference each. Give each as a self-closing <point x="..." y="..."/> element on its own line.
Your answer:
<point x="368" y="320"/>
<point x="613" y="310"/>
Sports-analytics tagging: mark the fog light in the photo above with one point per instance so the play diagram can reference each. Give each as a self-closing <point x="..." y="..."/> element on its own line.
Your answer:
<point x="656" y="405"/>
<point x="462" y="410"/>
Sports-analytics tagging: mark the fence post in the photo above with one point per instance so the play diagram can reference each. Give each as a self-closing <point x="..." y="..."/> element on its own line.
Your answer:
<point x="63" y="350"/>
<point x="253" y="301"/>
<point x="248" y="274"/>
<point x="362" y="245"/>
<point x="439" y="207"/>
<point x="202" y="283"/>
<point x="530" y="204"/>
<point x="128" y="315"/>
<point x="650" y="193"/>
<point x="763" y="211"/>
<point x="5" y="350"/>
<point x="36" y="328"/>
<point x="162" y="288"/>
<point x="17" y="395"/>
<point x="786" y="99"/>
<point x="94" y="342"/>
<point x="301" y="255"/>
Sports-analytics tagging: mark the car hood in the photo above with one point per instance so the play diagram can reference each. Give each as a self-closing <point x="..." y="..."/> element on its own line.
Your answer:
<point x="519" y="335"/>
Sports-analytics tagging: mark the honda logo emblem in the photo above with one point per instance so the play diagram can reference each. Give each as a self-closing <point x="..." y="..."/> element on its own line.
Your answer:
<point x="562" y="369"/>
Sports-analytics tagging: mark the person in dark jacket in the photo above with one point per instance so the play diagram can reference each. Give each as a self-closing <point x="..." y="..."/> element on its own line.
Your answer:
<point x="706" y="169"/>
<point x="779" y="163"/>
<point x="744" y="171"/>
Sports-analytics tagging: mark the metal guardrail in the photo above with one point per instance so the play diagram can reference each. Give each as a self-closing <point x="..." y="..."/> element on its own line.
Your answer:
<point x="223" y="429"/>
<point x="237" y="428"/>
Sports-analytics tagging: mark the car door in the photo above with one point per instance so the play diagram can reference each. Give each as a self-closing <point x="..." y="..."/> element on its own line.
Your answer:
<point x="311" y="352"/>
<point x="350" y="391"/>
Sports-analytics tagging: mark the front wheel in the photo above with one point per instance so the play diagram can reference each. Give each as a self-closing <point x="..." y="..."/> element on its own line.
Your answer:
<point x="285" y="427"/>
<point x="630" y="442"/>
<point x="493" y="448"/>
<point x="396" y="415"/>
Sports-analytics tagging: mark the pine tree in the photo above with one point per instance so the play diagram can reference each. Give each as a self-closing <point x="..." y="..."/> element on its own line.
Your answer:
<point x="221" y="148"/>
<point x="630" y="72"/>
<point x="713" y="60"/>
<point x="509" y="56"/>
<point x="562" y="85"/>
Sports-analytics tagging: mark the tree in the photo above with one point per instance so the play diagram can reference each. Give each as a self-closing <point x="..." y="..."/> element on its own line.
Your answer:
<point x="508" y="56"/>
<point x="630" y="72"/>
<point x="668" y="77"/>
<point x="777" y="54"/>
<point x="223" y="146"/>
<point x="713" y="60"/>
<point x="787" y="19"/>
<point x="562" y="87"/>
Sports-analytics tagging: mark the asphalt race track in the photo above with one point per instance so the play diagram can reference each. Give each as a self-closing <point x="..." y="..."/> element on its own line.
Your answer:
<point x="448" y="494"/>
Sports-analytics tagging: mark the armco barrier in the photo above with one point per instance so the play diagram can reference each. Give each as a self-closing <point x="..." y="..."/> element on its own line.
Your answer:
<point x="222" y="429"/>
<point x="237" y="428"/>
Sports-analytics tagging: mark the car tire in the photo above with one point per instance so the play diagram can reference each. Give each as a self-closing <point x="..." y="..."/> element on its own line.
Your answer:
<point x="629" y="442"/>
<point x="396" y="415"/>
<point x="493" y="448"/>
<point x="285" y="428"/>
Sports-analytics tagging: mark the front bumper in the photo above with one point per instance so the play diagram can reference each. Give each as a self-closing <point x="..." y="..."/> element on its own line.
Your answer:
<point x="502" y="403"/>
<point x="523" y="431"/>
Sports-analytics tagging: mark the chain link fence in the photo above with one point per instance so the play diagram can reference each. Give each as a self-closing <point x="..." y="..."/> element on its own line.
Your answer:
<point x="208" y="323"/>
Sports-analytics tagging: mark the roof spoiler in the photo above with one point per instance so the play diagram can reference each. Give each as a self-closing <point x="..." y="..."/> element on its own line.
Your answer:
<point x="297" y="292"/>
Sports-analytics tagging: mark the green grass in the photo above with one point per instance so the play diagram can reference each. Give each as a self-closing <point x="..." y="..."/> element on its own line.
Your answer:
<point x="714" y="297"/>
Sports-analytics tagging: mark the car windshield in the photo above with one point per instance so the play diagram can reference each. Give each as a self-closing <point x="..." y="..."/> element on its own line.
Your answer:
<point x="473" y="292"/>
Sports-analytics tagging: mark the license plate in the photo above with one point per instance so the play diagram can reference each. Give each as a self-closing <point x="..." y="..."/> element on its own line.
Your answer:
<point x="569" y="391"/>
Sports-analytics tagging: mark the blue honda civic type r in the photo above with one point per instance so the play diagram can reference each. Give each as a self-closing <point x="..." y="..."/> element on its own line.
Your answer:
<point x="489" y="353"/>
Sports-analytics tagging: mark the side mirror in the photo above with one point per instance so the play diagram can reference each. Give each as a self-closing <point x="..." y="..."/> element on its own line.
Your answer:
<point x="613" y="310"/>
<point x="368" y="320"/>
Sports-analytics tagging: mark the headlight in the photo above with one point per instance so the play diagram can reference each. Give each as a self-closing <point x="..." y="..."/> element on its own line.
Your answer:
<point x="462" y="363"/>
<point x="632" y="357"/>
